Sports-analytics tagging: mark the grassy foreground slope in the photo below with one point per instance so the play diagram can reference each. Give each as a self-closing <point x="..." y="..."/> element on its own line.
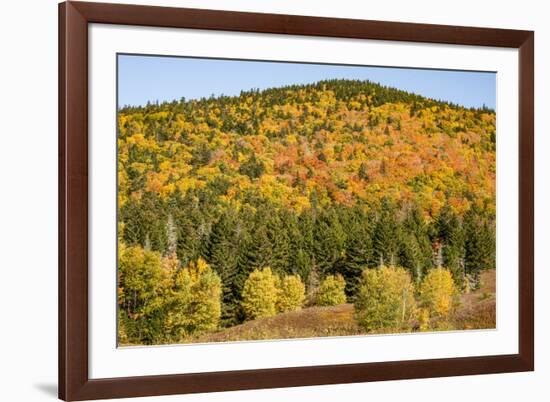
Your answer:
<point x="476" y="311"/>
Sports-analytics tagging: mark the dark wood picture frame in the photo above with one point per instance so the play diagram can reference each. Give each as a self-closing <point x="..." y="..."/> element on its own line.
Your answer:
<point x="74" y="382"/>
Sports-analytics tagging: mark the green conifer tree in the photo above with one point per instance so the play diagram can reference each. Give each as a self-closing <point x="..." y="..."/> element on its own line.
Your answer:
<point x="386" y="235"/>
<point x="358" y="248"/>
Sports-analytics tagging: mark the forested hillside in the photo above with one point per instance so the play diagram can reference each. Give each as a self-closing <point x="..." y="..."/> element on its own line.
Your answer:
<point x="316" y="180"/>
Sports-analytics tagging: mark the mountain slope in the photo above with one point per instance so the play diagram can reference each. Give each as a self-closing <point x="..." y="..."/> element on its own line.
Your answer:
<point x="327" y="178"/>
<point x="339" y="140"/>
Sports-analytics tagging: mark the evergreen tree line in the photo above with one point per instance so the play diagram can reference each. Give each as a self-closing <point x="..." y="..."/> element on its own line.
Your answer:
<point x="235" y="239"/>
<point x="344" y="90"/>
<point x="264" y="101"/>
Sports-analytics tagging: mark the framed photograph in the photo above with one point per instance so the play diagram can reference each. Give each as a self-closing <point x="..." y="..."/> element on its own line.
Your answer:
<point x="261" y="200"/>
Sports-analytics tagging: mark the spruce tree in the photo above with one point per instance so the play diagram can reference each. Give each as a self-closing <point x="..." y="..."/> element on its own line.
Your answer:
<point x="415" y="248"/>
<point x="449" y="232"/>
<point x="269" y="245"/>
<point x="194" y="223"/>
<point x="479" y="244"/>
<point x="358" y="248"/>
<point x="329" y="238"/>
<point x="386" y="235"/>
<point x="223" y="256"/>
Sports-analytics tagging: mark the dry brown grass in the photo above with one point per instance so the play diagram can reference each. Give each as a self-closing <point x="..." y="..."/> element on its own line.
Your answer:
<point x="476" y="311"/>
<point x="306" y="323"/>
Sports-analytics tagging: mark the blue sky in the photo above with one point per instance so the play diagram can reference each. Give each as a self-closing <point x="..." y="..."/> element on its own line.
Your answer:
<point x="151" y="78"/>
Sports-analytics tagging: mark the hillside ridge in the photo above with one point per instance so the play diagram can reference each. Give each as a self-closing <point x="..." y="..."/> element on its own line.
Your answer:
<point x="312" y="180"/>
<point x="330" y="84"/>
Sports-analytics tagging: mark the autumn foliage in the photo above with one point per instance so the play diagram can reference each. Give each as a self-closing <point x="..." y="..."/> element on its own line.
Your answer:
<point x="196" y="300"/>
<point x="331" y="292"/>
<point x="161" y="302"/>
<point x="291" y="293"/>
<point x="260" y="294"/>
<point x="323" y="183"/>
<point x="385" y="299"/>
<point x="438" y="293"/>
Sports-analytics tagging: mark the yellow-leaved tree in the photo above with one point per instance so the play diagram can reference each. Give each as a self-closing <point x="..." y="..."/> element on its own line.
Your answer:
<point x="438" y="293"/>
<point x="259" y="295"/>
<point x="385" y="299"/>
<point x="331" y="291"/>
<point x="195" y="303"/>
<point x="144" y="287"/>
<point x="291" y="295"/>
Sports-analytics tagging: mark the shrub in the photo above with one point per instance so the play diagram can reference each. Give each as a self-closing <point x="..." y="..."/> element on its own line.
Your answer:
<point x="385" y="299"/>
<point x="259" y="295"/>
<point x="331" y="291"/>
<point x="291" y="294"/>
<point x="438" y="293"/>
